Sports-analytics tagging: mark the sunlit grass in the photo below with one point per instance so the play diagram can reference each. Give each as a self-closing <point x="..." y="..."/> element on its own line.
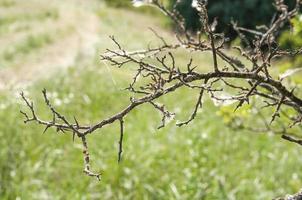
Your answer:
<point x="6" y="21"/>
<point x="7" y="3"/>
<point x="203" y="160"/>
<point x="31" y="44"/>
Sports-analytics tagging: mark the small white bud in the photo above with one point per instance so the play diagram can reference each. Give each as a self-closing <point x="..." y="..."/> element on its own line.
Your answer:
<point x="195" y="4"/>
<point x="138" y="3"/>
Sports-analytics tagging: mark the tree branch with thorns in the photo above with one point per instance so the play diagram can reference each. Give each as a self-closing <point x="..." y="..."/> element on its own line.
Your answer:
<point x="250" y="81"/>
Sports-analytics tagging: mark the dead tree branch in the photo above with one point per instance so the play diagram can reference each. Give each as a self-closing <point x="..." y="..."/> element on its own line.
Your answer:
<point x="244" y="81"/>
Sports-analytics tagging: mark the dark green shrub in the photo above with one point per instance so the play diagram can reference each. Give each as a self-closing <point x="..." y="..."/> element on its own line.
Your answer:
<point x="248" y="13"/>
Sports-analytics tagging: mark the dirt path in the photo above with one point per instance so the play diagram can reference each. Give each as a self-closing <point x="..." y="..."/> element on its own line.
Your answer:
<point x="53" y="58"/>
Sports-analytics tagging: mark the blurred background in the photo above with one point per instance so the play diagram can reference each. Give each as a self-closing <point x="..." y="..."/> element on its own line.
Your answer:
<point x="56" y="45"/>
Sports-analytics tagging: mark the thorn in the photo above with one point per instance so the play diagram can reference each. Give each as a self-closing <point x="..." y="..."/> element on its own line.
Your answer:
<point x="54" y="118"/>
<point x="239" y="105"/>
<point x="76" y="121"/>
<point x="44" y="90"/>
<point x="73" y="135"/>
<point x="46" y="128"/>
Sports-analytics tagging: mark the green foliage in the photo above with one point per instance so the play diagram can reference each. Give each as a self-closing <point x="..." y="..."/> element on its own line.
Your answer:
<point x="293" y="39"/>
<point x="190" y="14"/>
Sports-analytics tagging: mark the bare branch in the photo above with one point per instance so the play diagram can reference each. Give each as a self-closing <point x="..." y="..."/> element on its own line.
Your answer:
<point x="87" y="160"/>
<point x="292" y="139"/>
<point x="121" y="140"/>
<point x="245" y="78"/>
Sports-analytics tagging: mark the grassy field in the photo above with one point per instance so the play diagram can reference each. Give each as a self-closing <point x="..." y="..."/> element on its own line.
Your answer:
<point x="56" y="46"/>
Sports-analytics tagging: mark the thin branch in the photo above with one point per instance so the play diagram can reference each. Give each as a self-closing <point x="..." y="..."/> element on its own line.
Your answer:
<point x="197" y="106"/>
<point x="292" y="139"/>
<point x="121" y="140"/>
<point x="87" y="170"/>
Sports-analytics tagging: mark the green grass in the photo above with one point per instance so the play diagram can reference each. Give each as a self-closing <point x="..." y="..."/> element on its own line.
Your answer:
<point x="31" y="44"/>
<point x="7" y="3"/>
<point x="26" y="16"/>
<point x="204" y="160"/>
<point x="147" y="10"/>
<point x="21" y="21"/>
<point x="13" y="24"/>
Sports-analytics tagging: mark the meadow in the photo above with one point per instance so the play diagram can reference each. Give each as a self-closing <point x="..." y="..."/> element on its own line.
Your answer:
<point x="56" y="45"/>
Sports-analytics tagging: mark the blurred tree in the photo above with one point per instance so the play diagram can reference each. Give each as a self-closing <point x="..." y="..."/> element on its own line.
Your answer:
<point x="248" y="13"/>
